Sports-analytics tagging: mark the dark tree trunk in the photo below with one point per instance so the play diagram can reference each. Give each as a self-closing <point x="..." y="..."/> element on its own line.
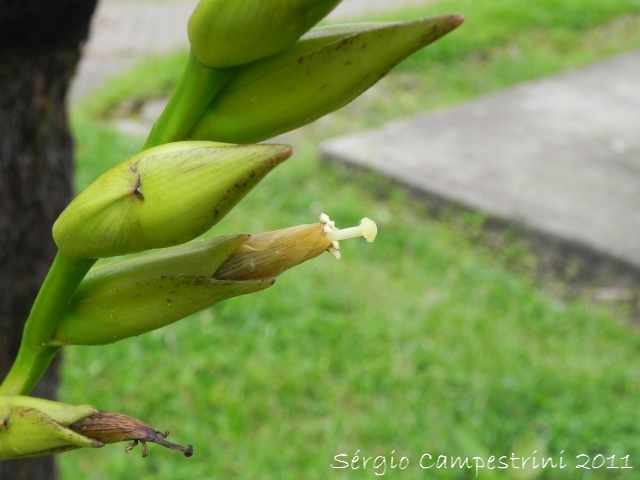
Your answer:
<point x="39" y="49"/>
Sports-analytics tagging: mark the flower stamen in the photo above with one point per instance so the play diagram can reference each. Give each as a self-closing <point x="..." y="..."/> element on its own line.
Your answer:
<point x="366" y="229"/>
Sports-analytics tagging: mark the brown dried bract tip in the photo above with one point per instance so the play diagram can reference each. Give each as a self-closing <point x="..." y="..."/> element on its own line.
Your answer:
<point x="110" y="427"/>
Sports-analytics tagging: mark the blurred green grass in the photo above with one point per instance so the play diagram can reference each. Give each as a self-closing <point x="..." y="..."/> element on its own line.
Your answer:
<point x="427" y="341"/>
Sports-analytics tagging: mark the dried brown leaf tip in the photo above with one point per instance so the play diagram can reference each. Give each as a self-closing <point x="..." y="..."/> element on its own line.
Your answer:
<point x="110" y="427"/>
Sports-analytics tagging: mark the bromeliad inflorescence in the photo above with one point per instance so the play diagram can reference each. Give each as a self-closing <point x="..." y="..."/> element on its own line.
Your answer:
<point x="250" y="62"/>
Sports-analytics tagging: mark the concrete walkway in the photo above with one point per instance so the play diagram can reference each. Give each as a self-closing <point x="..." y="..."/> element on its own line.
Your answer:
<point x="560" y="156"/>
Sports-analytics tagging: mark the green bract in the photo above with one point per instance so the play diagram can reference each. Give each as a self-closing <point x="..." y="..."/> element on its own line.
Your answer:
<point x="31" y="427"/>
<point x="163" y="196"/>
<point x="227" y="33"/>
<point x="137" y="295"/>
<point x="323" y="71"/>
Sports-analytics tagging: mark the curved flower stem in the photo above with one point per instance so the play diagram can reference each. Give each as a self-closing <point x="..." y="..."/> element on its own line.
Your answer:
<point x="35" y="354"/>
<point x="196" y="88"/>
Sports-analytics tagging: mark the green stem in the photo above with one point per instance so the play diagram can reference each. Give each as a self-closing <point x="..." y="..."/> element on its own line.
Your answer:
<point x="195" y="90"/>
<point x="35" y="355"/>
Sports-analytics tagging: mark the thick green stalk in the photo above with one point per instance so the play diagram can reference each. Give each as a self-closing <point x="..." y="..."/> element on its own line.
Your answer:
<point x="34" y="355"/>
<point x="196" y="88"/>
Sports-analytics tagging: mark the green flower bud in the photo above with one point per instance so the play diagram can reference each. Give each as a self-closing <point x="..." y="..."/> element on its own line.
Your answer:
<point x="323" y="71"/>
<point x="163" y="196"/>
<point x="31" y="427"/>
<point x="227" y="33"/>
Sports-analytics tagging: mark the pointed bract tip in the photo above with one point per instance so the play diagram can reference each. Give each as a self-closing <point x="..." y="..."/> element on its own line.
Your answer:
<point x="456" y="20"/>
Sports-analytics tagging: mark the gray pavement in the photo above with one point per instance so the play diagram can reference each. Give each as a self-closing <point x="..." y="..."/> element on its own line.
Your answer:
<point x="126" y="32"/>
<point x="560" y="156"/>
